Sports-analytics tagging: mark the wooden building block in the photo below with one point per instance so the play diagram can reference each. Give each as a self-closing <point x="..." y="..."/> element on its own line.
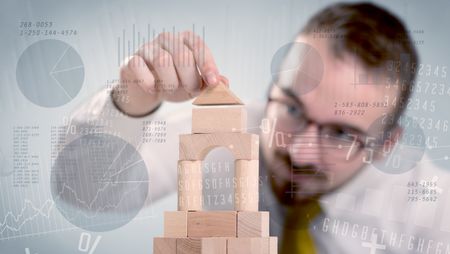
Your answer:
<point x="196" y="146"/>
<point x="273" y="245"/>
<point x="248" y="245"/>
<point x="210" y="245"/>
<point x="212" y="224"/>
<point x="164" y="245"/>
<point x="219" y="119"/>
<point x="190" y="196"/>
<point x="217" y="95"/>
<point x="247" y="185"/>
<point x="253" y="224"/>
<point x="175" y="224"/>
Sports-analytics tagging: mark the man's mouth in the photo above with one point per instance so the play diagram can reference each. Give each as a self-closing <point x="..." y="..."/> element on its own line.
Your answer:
<point x="293" y="171"/>
<point x="293" y="180"/>
<point x="303" y="170"/>
<point x="299" y="173"/>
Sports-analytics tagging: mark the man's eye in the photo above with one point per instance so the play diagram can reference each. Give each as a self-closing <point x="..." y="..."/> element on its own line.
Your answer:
<point x="340" y="134"/>
<point x="293" y="111"/>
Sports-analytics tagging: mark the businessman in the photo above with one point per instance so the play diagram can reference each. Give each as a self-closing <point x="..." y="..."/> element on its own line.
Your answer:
<point x="321" y="184"/>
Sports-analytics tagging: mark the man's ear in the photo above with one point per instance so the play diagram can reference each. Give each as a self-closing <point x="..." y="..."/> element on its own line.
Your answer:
<point x="389" y="142"/>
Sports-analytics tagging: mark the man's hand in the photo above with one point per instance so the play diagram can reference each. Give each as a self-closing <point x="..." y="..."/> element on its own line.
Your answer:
<point x="173" y="67"/>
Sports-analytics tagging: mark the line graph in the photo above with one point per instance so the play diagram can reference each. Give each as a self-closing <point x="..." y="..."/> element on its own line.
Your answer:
<point x="98" y="182"/>
<point x="44" y="211"/>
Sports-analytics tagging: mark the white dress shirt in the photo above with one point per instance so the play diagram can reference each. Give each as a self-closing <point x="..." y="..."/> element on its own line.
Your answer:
<point x="369" y="214"/>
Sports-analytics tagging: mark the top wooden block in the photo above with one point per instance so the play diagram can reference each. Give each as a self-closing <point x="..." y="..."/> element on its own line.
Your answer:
<point x="217" y="95"/>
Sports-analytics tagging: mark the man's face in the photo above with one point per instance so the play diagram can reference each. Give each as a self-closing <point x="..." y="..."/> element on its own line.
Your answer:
<point x="314" y="148"/>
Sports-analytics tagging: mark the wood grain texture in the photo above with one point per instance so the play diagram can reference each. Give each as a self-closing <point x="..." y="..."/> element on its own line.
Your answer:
<point x="247" y="185"/>
<point x="197" y="146"/>
<point x="175" y="224"/>
<point x="273" y="245"/>
<point x="210" y="245"/>
<point x="217" y="95"/>
<point x="253" y="224"/>
<point x="219" y="119"/>
<point x="212" y="224"/>
<point x="248" y="245"/>
<point x="164" y="245"/>
<point x="190" y="197"/>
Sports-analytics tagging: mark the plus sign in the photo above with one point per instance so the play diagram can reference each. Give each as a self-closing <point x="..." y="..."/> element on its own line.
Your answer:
<point x="373" y="244"/>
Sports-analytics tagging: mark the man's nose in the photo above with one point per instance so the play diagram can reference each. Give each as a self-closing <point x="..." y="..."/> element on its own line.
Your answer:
<point x="304" y="147"/>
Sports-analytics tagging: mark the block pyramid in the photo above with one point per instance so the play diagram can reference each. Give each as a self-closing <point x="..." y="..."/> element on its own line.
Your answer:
<point x="219" y="119"/>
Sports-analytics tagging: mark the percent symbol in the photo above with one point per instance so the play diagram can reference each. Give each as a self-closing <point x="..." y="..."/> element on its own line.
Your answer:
<point x="84" y="245"/>
<point x="268" y="127"/>
<point x="27" y="251"/>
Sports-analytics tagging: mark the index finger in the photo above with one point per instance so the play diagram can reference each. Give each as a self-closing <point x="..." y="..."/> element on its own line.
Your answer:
<point x="203" y="57"/>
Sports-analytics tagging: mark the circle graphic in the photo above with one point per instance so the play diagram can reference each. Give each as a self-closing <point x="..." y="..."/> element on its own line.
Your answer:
<point x="438" y="149"/>
<point x="297" y="64"/>
<point x="99" y="182"/>
<point x="50" y="73"/>
<point x="402" y="154"/>
<point x="434" y="119"/>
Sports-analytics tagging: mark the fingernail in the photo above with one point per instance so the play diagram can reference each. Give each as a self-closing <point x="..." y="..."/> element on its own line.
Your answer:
<point x="211" y="78"/>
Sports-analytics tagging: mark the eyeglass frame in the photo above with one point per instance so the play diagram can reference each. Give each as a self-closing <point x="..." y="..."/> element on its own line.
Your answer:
<point x="369" y="143"/>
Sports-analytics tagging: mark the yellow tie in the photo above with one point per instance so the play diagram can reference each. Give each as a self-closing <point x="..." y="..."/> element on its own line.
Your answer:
<point x="296" y="236"/>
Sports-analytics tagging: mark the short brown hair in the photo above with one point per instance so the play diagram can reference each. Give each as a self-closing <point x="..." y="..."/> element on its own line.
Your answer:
<point x="375" y="36"/>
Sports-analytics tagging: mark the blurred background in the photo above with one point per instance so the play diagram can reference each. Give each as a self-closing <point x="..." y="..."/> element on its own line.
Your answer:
<point x="80" y="44"/>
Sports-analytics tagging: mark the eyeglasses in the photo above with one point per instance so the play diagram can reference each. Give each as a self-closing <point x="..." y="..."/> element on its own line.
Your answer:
<point x="338" y="142"/>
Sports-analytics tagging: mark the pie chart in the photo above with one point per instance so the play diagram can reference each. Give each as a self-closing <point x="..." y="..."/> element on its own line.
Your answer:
<point x="99" y="182"/>
<point x="297" y="65"/>
<point x="50" y="73"/>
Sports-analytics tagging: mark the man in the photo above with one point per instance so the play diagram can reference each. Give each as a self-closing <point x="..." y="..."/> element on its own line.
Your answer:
<point x="320" y="177"/>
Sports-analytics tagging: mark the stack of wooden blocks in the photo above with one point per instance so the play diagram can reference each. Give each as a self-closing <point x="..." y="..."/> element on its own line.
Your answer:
<point x="218" y="120"/>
